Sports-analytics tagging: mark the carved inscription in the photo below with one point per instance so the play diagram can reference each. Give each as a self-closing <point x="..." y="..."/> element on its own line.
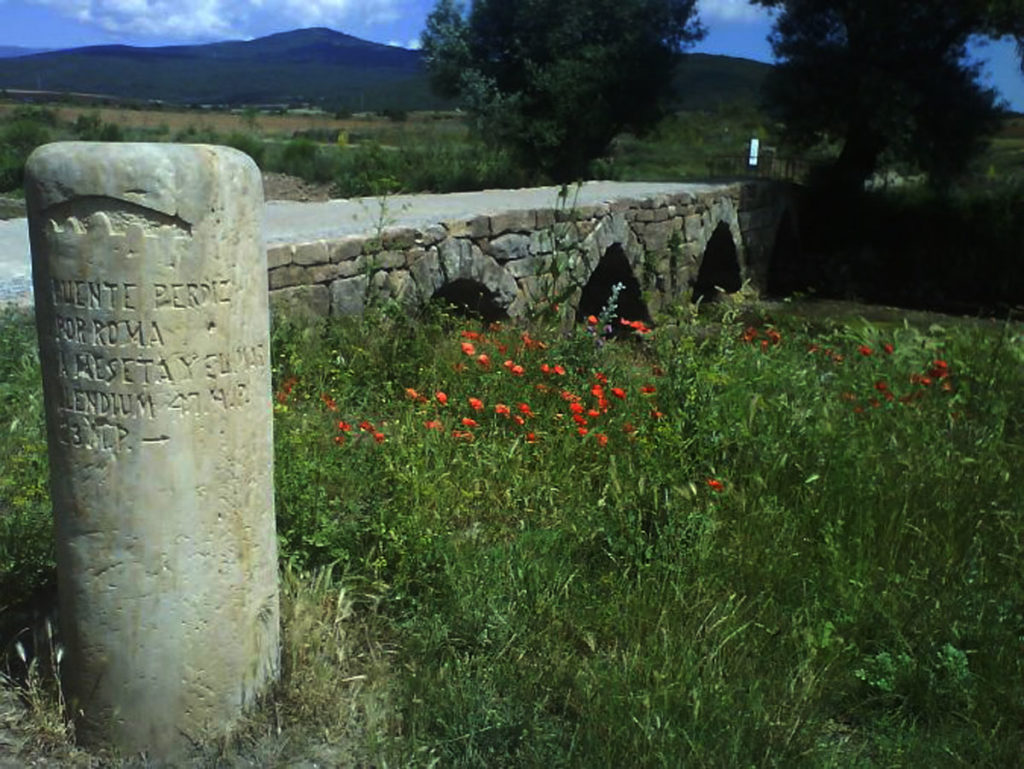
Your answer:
<point x="129" y="353"/>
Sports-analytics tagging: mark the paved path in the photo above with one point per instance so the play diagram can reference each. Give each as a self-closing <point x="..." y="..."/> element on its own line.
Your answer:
<point x="289" y="222"/>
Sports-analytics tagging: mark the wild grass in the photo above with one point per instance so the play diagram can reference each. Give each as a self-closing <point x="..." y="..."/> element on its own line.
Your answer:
<point x="778" y="543"/>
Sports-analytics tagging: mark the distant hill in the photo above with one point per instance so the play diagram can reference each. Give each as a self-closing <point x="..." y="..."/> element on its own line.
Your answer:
<point x="707" y="81"/>
<point x="307" y="66"/>
<point x="9" y="51"/>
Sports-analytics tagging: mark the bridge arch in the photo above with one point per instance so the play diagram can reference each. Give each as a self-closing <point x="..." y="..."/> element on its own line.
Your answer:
<point x="719" y="267"/>
<point x="472" y="298"/>
<point x="612" y="269"/>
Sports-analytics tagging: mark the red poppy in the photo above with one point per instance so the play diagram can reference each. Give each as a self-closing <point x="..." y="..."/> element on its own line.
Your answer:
<point x="415" y="396"/>
<point x="484" y="360"/>
<point x="442" y="397"/>
<point x="531" y="438"/>
<point x="559" y="370"/>
<point x="545" y="368"/>
<point x="865" y="350"/>
<point x="579" y="419"/>
<point x="525" y="410"/>
<point x="628" y="428"/>
<point x="329" y="402"/>
<point x="339" y="439"/>
<point x="592" y="320"/>
<point x="345" y="427"/>
<point x="379" y="437"/>
<point x="656" y="414"/>
<point x="888" y="348"/>
<point x="576" y="408"/>
<point x="366" y="426"/>
<point x="467" y="422"/>
<point x="433" y="424"/>
<point x="602" y="439"/>
<point x="619" y="393"/>
<point x="476" y="404"/>
<point x="593" y="413"/>
<point x="881" y="385"/>
<point x="715" y="484"/>
<point x="749" y="334"/>
<point x="518" y="370"/>
<point x="474" y="335"/>
<point x="468" y="348"/>
<point x="571" y="397"/>
<point x="602" y="378"/>
<point x="462" y="435"/>
<point x="582" y="431"/>
<point x="518" y="420"/>
<point x="501" y="408"/>
<point x="648" y="389"/>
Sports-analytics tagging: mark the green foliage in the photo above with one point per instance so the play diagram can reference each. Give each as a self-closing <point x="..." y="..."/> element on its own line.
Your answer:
<point x="26" y="131"/>
<point x="248" y="143"/>
<point x="91" y="128"/>
<point x="556" y="80"/>
<point x="26" y="529"/>
<point x="890" y="79"/>
<point x="821" y="538"/>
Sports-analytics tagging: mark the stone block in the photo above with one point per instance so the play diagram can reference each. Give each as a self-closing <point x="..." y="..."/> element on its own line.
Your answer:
<point x="279" y="255"/>
<point x="301" y="302"/>
<point x="398" y="238"/>
<point x="513" y="221"/>
<point x="426" y="274"/>
<point x="509" y="247"/>
<point x="348" y="296"/>
<point x="307" y="254"/>
<point x="431" y="235"/>
<point x="346" y="248"/>
<point x="545" y="217"/>
<point x="291" y="275"/>
<point x="656" y="235"/>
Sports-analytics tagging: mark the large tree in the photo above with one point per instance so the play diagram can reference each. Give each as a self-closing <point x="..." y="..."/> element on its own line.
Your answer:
<point x="887" y="79"/>
<point x="556" y="80"/>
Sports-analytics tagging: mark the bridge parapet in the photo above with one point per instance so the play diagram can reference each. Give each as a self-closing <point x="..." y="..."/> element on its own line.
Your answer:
<point x="520" y="261"/>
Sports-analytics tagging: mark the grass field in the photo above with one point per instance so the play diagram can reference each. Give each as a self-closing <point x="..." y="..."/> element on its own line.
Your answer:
<point x="770" y="542"/>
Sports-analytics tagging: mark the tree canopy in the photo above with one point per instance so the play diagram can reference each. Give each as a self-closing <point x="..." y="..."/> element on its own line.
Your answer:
<point x="557" y="80"/>
<point x="887" y="78"/>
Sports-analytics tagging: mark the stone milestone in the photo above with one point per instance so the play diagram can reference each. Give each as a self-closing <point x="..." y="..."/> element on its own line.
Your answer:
<point x="150" y="284"/>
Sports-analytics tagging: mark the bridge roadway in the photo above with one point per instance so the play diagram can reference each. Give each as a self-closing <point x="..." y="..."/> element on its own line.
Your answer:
<point x="293" y="222"/>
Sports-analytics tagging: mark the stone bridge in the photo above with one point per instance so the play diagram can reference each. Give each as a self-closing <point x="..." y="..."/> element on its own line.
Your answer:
<point x="512" y="253"/>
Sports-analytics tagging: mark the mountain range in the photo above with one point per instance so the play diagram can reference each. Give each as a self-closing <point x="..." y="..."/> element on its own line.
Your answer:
<point x="316" y="66"/>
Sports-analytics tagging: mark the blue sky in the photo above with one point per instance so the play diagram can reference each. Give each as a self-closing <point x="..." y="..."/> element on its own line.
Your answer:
<point x="734" y="26"/>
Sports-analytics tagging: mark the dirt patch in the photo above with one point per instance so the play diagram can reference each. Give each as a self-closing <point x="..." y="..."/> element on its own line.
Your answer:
<point x="285" y="187"/>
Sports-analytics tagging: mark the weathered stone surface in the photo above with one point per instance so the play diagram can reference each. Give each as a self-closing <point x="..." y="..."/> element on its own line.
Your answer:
<point x="279" y="256"/>
<point x="385" y="260"/>
<point x="311" y="253"/>
<point x="432" y="235"/>
<point x="694" y="228"/>
<point x="152" y="307"/>
<point x="657" y="234"/>
<point x="426" y="274"/>
<point x="477" y="227"/>
<point x="509" y="247"/>
<point x="513" y="221"/>
<point x="398" y="238"/>
<point x="545" y="217"/>
<point x="301" y="301"/>
<point x="531" y="265"/>
<point x="348" y="296"/>
<point x="343" y="249"/>
<point x="542" y="242"/>
<point x="291" y="275"/>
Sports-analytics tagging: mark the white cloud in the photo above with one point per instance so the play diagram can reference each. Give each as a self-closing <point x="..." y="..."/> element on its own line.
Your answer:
<point x="414" y="44"/>
<point x="210" y="19"/>
<point x="732" y="10"/>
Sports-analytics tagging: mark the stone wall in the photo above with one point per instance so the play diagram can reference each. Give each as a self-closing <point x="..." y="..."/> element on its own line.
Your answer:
<point x="522" y="260"/>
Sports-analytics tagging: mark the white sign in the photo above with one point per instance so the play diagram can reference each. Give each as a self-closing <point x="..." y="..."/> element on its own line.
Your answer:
<point x="755" y="144"/>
